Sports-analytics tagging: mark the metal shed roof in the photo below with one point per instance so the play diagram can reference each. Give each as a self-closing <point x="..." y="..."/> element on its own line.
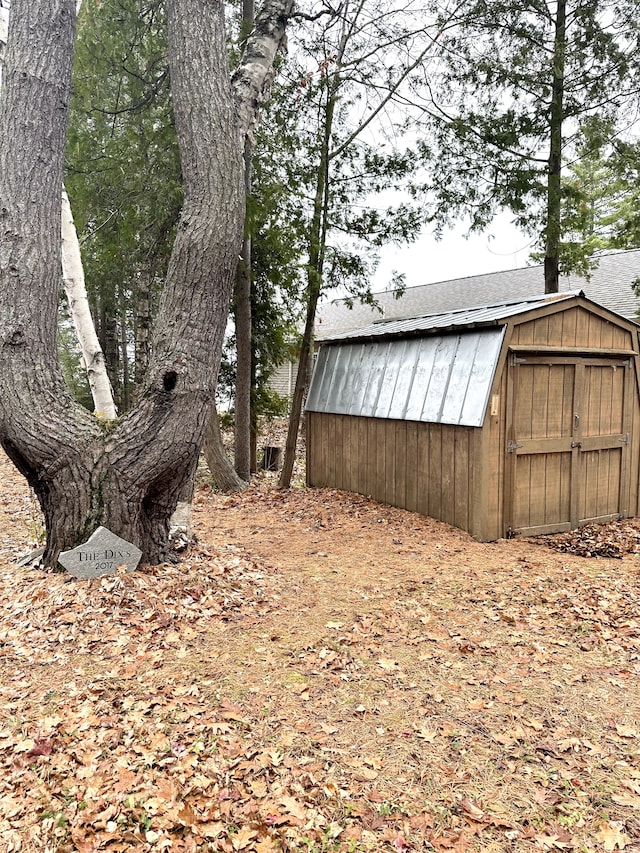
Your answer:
<point x="435" y="379"/>
<point x="466" y="317"/>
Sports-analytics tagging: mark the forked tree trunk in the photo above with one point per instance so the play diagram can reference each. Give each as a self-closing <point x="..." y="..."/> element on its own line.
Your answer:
<point x="129" y="477"/>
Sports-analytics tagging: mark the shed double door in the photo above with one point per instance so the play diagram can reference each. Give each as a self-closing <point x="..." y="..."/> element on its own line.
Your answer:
<point x="567" y="442"/>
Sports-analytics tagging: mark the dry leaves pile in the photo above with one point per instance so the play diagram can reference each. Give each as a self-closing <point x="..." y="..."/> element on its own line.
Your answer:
<point x="598" y="540"/>
<point x="320" y="673"/>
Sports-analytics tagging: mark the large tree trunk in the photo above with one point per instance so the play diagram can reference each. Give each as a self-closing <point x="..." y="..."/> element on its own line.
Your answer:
<point x="127" y="478"/>
<point x="75" y="289"/>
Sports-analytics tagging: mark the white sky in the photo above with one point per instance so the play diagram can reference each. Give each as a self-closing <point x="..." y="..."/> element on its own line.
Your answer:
<point x="502" y="247"/>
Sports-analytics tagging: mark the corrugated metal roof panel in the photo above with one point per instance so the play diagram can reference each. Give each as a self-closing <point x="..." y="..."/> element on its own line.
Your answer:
<point x="435" y="379"/>
<point x="482" y="315"/>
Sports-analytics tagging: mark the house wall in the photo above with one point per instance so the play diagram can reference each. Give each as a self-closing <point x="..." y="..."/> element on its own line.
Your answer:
<point x="283" y="379"/>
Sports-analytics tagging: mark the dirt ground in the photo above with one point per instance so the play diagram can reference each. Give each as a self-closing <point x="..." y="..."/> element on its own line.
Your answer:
<point x="321" y="673"/>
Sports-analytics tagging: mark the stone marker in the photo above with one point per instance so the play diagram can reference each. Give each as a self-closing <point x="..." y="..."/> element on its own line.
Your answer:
<point x="102" y="554"/>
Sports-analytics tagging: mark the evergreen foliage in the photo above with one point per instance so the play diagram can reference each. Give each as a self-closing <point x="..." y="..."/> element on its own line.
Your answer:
<point x="123" y="168"/>
<point x="511" y="101"/>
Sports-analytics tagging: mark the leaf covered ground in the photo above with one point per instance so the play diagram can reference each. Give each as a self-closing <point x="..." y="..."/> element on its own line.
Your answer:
<point x="321" y="673"/>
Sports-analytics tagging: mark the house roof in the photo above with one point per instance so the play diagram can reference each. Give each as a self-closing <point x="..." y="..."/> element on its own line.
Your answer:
<point x="609" y="285"/>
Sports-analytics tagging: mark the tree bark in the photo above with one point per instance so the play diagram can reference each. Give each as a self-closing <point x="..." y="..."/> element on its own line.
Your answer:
<point x="3" y="40"/>
<point x="76" y="292"/>
<point x="244" y="349"/>
<point x="129" y="477"/>
<point x="223" y="474"/>
<point x="242" y="308"/>
<point x="554" y="178"/>
<point x="75" y="289"/>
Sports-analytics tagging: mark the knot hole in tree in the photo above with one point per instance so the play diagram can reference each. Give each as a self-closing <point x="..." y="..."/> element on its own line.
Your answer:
<point x="169" y="380"/>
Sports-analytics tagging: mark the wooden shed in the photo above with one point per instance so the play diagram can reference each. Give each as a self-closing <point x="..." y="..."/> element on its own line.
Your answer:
<point x="518" y="418"/>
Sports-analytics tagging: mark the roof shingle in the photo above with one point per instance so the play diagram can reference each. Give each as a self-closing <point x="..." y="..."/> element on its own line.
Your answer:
<point x="610" y="286"/>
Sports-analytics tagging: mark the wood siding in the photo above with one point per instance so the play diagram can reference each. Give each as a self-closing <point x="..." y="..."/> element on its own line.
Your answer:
<point x="573" y="327"/>
<point x="570" y="420"/>
<point x="426" y="468"/>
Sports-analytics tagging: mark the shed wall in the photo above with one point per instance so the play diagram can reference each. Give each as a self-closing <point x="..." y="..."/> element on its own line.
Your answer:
<point x="491" y="498"/>
<point x="427" y="468"/>
<point x="606" y="483"/>
<point x="573" y="327"/>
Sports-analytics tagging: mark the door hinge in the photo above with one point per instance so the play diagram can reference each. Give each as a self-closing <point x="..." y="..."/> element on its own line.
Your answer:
<point x="515" y="359"/>
<point x="625" y="439"/>
<point x="513" y="446"/>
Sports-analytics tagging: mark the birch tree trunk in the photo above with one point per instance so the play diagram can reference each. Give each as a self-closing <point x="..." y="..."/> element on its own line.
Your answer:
<point x="75" y="288"/>
<point x="127" y="478"/>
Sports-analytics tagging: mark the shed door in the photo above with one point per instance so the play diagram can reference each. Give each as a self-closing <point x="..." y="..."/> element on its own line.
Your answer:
<point x="568" y="442"/>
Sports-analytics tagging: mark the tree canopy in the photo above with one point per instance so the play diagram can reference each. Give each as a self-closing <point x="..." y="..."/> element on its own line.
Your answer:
<point x="507" y="105"/>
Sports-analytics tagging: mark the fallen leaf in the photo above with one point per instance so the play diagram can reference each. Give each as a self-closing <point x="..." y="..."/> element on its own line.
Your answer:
<point x="627" y="799"/>
<point x="626" y="731"/>
<point x="472" y="810"/>
<point x="243" y="838"/>
<point x="295" y="808"/>
<point x="611" y="835"/>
